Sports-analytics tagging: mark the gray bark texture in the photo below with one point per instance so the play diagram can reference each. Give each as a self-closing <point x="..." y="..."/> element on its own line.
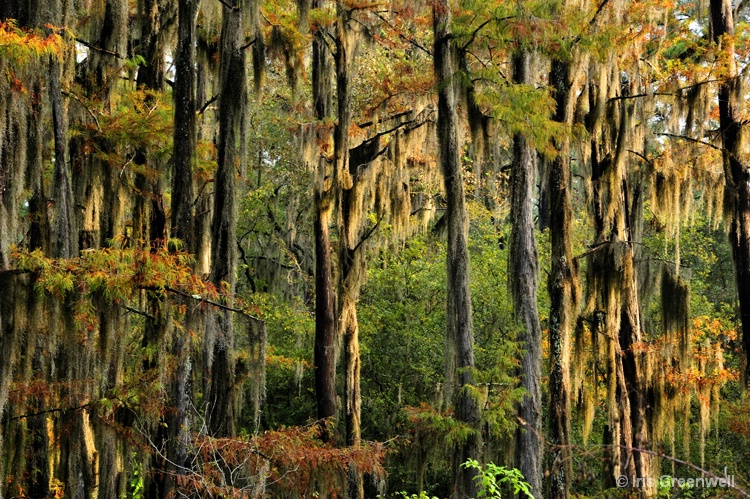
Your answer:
<point x="524" y="277"/>
<point x="221" y="415"/>
<point x="459" y="334"/>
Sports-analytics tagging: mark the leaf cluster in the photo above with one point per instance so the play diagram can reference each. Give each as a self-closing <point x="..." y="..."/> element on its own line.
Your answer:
<point x="492" y="479"/>
<point x="21" y="45"/>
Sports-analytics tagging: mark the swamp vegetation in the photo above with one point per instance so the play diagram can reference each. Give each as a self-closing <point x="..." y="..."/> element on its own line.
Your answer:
<point x="358" y="248"/>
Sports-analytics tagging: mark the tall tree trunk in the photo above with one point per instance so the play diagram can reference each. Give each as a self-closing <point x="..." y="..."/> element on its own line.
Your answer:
<point x="150" y="230"/>
<point x="524" y="276"/>
<point x="220" y="397"/>
<point x="562" y="290"/>
<point x="730" y="125"/>
<point x="325" y="318"/>
<point x="459" y="334"/>
<point x="183" y="190"/>
<point x="182" y="228"/>
<point x="351" y="253"/>
<point x="613" y="273"/>
<point x="64" y="236"/>
<point x="39" y="227"/>
<point x="149" y="218"/>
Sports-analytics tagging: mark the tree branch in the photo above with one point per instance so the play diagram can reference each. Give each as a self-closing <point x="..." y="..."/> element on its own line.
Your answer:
<point x="99" y="49"/>
<point x="50" y="411"/>
<point x="404" y="37"/>
<point x="199" y="298"/>
<point x="139" y="312"/>
<point x="367" y="236"/>
<point x="689" y="139"/>
<point x="208" y="103"/>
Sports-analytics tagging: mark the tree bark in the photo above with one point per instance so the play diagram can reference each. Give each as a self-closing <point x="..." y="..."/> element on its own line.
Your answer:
<point x="562" y="291"/>
<point x="524" y="276"/>
<point x="221" y="390"/>
<point x="459" y="333"/>
<point x="736" y="173"/>
<point x="64" y="236"/>
<point x="183" y="191"/>
<point x="351" y="254"/>
<point x="183" y="228"/>
<point x="325" y="310"/>
<point x="325" y="322"/>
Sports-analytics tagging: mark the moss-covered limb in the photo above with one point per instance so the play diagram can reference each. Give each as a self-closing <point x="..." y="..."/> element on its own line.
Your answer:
<point x="612" y="273"/>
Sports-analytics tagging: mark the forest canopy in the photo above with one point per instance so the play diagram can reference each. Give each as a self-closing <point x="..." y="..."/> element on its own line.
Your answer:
<point x="365" y="248"/>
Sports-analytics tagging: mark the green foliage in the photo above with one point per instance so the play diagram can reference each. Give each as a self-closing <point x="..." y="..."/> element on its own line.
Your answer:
<point x="290" y="392"/>
<point x="421" y="495"/>
<point x="141" y="120"/>
<point x="135" y="487"/>
<point x="115" y="275"/>
<point x="492" y="479"/>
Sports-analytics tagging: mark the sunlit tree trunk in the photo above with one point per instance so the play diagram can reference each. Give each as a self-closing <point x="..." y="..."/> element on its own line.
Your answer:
<point x="351" y="254"/>
<point x="612" y="272"/>
<point x="562" y="289"/>
<point x="325" y="318"/>
<point x="459" y="334"/>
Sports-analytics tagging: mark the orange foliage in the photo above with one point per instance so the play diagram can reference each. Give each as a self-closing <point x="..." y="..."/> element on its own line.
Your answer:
<point x="21" y="45"/>
<point x="287" y="462"/>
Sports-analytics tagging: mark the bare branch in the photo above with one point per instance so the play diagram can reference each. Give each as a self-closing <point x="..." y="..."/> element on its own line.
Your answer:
<point x="99" y="49"/>
<point x="139" y="312"/>
<point x="208" y="103"/>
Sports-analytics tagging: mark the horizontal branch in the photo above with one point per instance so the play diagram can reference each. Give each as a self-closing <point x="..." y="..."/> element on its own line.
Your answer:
<point x="272" y="260"/>
<point x="99" y="49"/>
<point x="140" y="312"/>
<point x="199" y="298"/>
<point x="689" y="139"/>
<point x="638" y="96"/>
<point x="387" y="118"/>
<point x="50" y="411"/>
